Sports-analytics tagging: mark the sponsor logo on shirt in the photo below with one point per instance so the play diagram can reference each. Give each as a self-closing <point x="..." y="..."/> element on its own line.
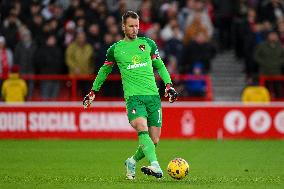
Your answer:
<point x="136" y="60"/>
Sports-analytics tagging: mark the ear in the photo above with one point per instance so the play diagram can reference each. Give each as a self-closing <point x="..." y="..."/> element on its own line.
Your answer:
<point x="123" y="27"/>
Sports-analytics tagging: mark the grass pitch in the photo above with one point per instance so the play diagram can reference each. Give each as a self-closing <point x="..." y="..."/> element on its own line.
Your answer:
<point x="99" y="164"/>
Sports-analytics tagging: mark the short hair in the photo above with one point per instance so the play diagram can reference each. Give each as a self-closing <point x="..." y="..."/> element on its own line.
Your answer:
<point x="129" y="14"/>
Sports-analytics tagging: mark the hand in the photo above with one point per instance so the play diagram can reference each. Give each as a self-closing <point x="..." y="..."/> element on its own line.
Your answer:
<point x="89" y="98"/>
<point x="171" y="93"/>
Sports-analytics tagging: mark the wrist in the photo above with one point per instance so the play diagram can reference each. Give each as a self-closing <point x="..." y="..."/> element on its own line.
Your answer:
<point x="92" y="95"/>
<point x="92" y="92"/>
<point x="169" y="85"/>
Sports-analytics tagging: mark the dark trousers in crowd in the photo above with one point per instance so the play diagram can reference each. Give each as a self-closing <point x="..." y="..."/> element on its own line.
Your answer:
<point x="50" y="89"/>
<point x="276" y="88"/>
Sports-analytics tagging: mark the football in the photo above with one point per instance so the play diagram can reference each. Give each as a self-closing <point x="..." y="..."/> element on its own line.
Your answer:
<point x="178" y="168"/>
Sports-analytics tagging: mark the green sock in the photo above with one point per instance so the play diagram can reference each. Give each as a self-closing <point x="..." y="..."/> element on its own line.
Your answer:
<point x="147" y="146"/>
<point x="138" y="154"/>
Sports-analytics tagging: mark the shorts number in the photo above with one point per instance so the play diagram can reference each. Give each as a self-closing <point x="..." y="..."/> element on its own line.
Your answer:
<point x="159" y="114"/>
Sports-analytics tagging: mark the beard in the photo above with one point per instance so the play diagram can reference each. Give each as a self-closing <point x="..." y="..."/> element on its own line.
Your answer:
<point x="132" y="36"/>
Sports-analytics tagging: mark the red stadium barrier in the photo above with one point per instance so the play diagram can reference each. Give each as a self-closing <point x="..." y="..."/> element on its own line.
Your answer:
<point x="69" y="91"/>
<point x="108" y="120"/>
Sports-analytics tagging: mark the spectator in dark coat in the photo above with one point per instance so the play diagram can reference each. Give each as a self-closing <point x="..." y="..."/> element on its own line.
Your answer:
<point x="35" y="26"/>
<point x="252" y="36"/>
<point x="49" y="60"/>
<point x="198" y="50"/>
<point x="24" y="56"/>
<point x="173" y="47"/>
<point x="9" y="30"/>
<point x="270" y="57"/>
<point x="225" y="11"/>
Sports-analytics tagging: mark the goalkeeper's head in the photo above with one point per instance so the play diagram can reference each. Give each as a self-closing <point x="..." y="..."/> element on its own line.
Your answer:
<point x="130" y="25"/>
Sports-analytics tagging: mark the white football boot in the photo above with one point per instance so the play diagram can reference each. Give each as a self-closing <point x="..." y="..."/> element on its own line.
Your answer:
<point x="130" y="169"/>
<point x="154" y="170"/>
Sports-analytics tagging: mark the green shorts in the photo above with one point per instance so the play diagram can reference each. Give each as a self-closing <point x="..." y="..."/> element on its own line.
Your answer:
<point x="147" y="106"/>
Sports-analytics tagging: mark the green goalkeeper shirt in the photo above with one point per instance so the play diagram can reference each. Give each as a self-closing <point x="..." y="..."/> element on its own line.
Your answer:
<point x="135" y="60"/>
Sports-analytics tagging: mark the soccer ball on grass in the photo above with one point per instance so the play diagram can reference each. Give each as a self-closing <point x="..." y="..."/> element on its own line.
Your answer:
<point x="178" y="168"/>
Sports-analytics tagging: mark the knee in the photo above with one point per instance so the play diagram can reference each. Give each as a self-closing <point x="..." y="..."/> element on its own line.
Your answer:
<point x="141" y="127"/>
<point x="139" y="124"/>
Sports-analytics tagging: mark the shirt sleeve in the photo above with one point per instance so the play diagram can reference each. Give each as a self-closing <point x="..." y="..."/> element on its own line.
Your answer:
<point x="105" y="69"/>
<point x="158" y="62"/>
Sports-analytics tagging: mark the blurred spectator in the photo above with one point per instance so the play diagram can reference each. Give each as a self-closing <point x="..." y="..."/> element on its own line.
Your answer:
<point x="200" y="15"/>
<point x="100" y="55"/>
<point x="103" y="13"/>
<point x="224" y="12"/>
<point x="81" y="23"/>
<point x="133" y="4"/>
<point x="185" y="13"/>
<point x="69" y="13"/>
<point x="253" y="93"/>
<point x="35" y="25"/>
<point x="6" y="58"/>
<point x="111" y="88"/>
<point x="113" y="30"/>
<point x="34" y="9"/>
<point x="197" y="50"/>
<point x="195" y="27"/>
<point x="63" y="3"/>
<point x="272" y="11"/>
<point x="253" y="3"/>
<point x="145" y="17"/>
<point x="49" y="60"/>
<point x="210" y="10"/>
<point x="156" y="28"/>
<point x="172" y="65"/>
<point x="14" y="89"/>
<point x="252" y="35"/>
<point x="51" y="27"/>
<point x="168" y="31"/>
<point x="10" y="28"/>
<point x="24" y="57"/>
<point x="281" y="32"/>
<point x="110" y="20"/>
<point x="79" y="56"/>
<point x="270" y="57"/>
<point x="79" y="59"/>
<point x="58" y="11"/>
<point x="173" y="46"/>
<point x="48" y="11"/>
<point x="239" y="26"/>
<point x="196" y="87"/>
<point x="69" y="33"/>
<point x="94" y="36"/>
<point x="91" y="12"/>
<point x="167" y="10"/>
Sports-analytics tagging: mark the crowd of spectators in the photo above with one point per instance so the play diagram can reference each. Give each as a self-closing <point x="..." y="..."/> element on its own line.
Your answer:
<point x="72" y="36"/>
<point x="258" y="40"/>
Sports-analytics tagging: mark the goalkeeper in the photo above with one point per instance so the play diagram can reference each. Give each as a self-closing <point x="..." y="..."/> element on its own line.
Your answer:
<point x="136" y="57"/>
